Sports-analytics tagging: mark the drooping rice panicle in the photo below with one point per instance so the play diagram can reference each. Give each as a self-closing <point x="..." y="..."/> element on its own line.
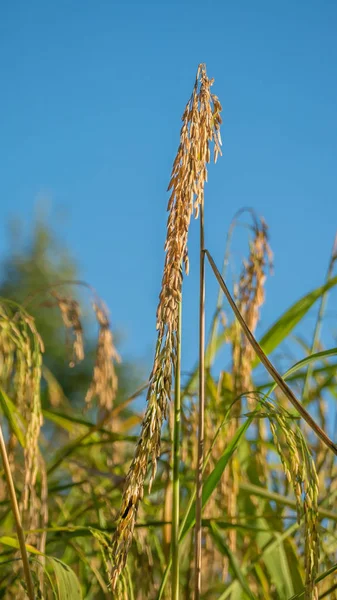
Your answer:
<point x="24" y="375"/>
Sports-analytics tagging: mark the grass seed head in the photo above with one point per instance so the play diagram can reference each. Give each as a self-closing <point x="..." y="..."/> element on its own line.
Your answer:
<point x="105" y="381"/>
<point x="70" y="313"/>
<point x="300" y="471"/>
<point x="21" y="378"/>
<point x="201" y="127"/>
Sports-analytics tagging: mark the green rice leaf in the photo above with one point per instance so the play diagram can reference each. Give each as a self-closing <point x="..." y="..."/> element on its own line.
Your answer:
<point x="286" y="323"/>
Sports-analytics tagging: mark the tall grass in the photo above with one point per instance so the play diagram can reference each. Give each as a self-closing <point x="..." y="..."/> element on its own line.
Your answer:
<point x="239" y="501"/>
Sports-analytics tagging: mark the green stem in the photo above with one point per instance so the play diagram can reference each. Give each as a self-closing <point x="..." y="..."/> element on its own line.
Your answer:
<point x="17" y="517"/>
<point x="318" y="325"/>
<point x="189" y="506"/>
<point x="176" y="465"/>
<point x="201" y="420"/>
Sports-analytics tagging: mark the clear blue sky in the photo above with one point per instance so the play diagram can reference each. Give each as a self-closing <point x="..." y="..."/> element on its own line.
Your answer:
<point x="91" y="99"/>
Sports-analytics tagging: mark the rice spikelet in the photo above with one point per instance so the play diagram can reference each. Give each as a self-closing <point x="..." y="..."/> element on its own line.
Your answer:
<point x="71" y="316"/>
<point x="201" y="126"/>
<point x="105" y="381"/>
<point x="250" y="296"/>
<point x="300" y="471"/>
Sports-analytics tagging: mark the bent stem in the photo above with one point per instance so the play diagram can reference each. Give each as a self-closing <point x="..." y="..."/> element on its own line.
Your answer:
<point x="176" y="465"/>
<point x="268" y="365"/>
<point x="17" y="518"/>
<point x="201" y="424"/>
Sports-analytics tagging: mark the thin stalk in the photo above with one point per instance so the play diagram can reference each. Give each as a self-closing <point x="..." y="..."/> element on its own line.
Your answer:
<point x="17" y="517"/>
<point x="176" y="465"/>
<point x="128" y="574"/>
<point x="320" y="315"/>
<point x="201" y="421"/>
<point x="190" y="504"/>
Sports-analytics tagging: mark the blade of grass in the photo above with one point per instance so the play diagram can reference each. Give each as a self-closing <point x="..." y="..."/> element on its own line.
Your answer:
<point x="214" y="477"/>
<point x="208" y="488"/>
<point x="256" y="490"/>
<point x="305" y="361"/>
<point x="286" y="322"/>
<point x="67" y="583"/>
<point x="269" y="549"/>
<point x="129" y="580"/>
<point x="320" y="315"/>
<point x="225" y="551"/>
<point x="13" y="416"/>
<point x="67" y="450"/>
<point x="318" y="579"/>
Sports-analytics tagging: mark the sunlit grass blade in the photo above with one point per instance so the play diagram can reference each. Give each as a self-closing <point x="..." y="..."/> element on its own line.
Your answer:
<point x="320" y="315"/>
<point x="290" y="318"/>
<point x="320" y="578"/>
<point x="261" y="492"/>
<point x="214" y="477"/>
<point x="13" y="416"/>
<point x="67" y="583"/>
<point x="189" y="517"/>
<point x="304" y="362"/>
<point x="234" y="564"/>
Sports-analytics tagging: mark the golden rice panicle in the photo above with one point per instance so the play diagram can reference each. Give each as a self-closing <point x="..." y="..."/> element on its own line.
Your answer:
<point x="30" y="374"/>
<point x="105" y="381"/>
<point x="22" y="379"/>
<point x="300" y="471"/>
<point x="71" y="316"/>
<point x="312" y="548"/>
<point x="250" y="298"/>
<point x="201" y="127"/>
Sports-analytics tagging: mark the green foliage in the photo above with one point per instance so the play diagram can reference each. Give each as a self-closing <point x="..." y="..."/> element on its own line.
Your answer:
<point x="87" y="456"/>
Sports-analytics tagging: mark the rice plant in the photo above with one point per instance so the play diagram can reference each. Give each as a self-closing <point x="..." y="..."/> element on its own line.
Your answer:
<point x="224" y="485"/>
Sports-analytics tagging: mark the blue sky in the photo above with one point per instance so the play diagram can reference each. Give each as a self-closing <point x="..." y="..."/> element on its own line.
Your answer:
<point x="91" y="100"/>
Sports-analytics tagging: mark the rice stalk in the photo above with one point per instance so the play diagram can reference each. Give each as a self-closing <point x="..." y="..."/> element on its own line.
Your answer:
<point x="17" y="517"/>
<point x="176" y="465"/>
<point x="201" y="123"/>
<point x="201" y="414"/>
